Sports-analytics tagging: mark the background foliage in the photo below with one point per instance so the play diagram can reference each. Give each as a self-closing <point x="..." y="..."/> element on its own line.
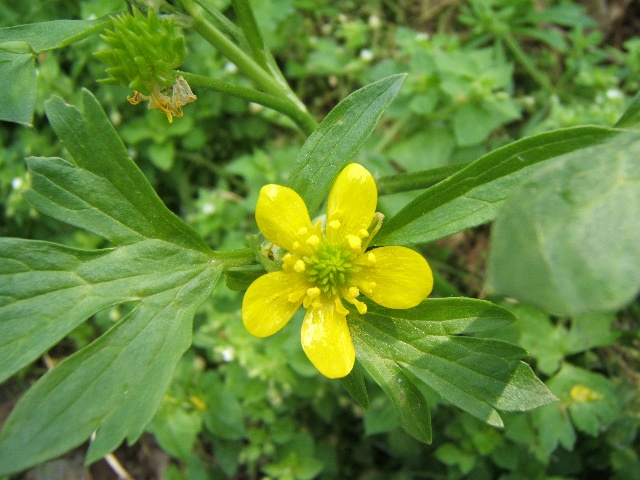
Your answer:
<point x="481" y="74"/>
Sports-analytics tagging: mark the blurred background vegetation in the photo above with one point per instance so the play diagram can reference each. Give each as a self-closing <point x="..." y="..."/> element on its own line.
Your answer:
<point x="481" y="73"/>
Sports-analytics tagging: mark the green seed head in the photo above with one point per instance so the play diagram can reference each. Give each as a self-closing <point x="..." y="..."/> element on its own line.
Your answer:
<point x="144" y="52"/>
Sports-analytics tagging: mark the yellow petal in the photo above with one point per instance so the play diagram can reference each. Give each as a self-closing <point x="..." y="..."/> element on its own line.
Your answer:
<point x="266" y="306"/>
<point x="352" y="201"/>
<point x="401" y="277"/>
<point x="326" y="340"/>
<point x="282" y="215"/>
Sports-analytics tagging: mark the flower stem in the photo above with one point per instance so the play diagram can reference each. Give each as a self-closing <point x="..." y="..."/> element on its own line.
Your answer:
<point x="249" y="26"/>
<point x="405" y="182"/>
<point x="516" y="50"/>
<point x="234" y="258"/>
<point x="305" y="122"/>
<point x="247" y="65"/>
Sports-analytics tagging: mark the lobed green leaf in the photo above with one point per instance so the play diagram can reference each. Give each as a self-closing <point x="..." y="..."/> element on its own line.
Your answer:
<point x="46" y="290"/>
<point x="114" y="385"/>
<point x="107" y="194"/>
<point x="474" y="195"/>
<point x="339" y="136"/>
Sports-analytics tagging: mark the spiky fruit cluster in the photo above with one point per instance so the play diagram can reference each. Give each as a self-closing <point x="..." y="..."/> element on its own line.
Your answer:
<point x="144" y="52"/>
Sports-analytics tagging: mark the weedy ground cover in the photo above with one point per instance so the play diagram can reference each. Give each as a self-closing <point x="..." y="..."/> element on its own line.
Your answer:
<point x="160" y="159"/>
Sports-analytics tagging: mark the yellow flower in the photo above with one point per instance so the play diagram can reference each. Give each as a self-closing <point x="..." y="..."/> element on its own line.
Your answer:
<point x="328" y="264"/>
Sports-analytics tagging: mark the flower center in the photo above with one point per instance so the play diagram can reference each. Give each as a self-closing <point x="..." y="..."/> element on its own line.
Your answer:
<point x="330" y="267"/>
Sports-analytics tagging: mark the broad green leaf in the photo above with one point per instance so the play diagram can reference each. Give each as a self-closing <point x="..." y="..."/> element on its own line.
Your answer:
<point x="46" y="290"/>
<point x="107" y="194"/>
<point x="354" y="384"/>
<point x="339" y="136"/>
<point x="474" y="195"/>
<point x="18" y="87"/>
<point x="54" y="34"/>
<point x="568" y="239"/>
<point x="478" y="375"/>
<point x="113" y="385"/>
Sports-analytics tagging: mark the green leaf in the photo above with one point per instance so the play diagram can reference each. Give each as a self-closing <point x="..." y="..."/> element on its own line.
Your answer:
<point x="54" y="34"/>
<point x="474" y="195"/>
<point x="176" y="430"/>
<point x="102" y="191"/>
<point x="474" y="122"/>
<point x="223" y="416"/>
<point x="354" y="384"/>
<point x="46" y="290"/>
<point x="549" y="343"/>
<point x="239" y="278"/>
<point x="631" y="116"/>
<point x="588" y="397"/>
<point x="18" y="87"/>
<point x="572" y="227"/>
<point x="475" y="374"/>
<point x="344" y="130"/>
<point x="19" y="46"/>
<point x="114" y="385"/>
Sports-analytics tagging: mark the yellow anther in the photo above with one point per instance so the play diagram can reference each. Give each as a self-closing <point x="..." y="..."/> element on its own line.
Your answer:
<point x="335" y="215"/>
<point x="299" y="266"/>
<point x="354" y="242"/>
<point x="313" y="293"/>
<point x="334" y="224"/>
<point x="296" y="245"/>
<point x="303" y="231"/>
<point x="287" y="261"/>
<point x="363" y="233"/>
<point x="354" y="292"/>
<point x="313" y="240"/>
<point x="371" y="258"/>
<point x="362" y="307"/>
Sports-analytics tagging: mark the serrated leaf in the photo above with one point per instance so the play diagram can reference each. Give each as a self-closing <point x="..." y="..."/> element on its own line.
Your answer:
<point x="46" y="290"/>
<point x="573" y="228"/>
<point x="478" y="375"/>
<point x="115" y="384"/>
<point x="18" y="87"/>
<point x="54" y="34"/>
<point x="107" y="194"/>
<point x="473" y="195"/>
<point x="343" y="131"/>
